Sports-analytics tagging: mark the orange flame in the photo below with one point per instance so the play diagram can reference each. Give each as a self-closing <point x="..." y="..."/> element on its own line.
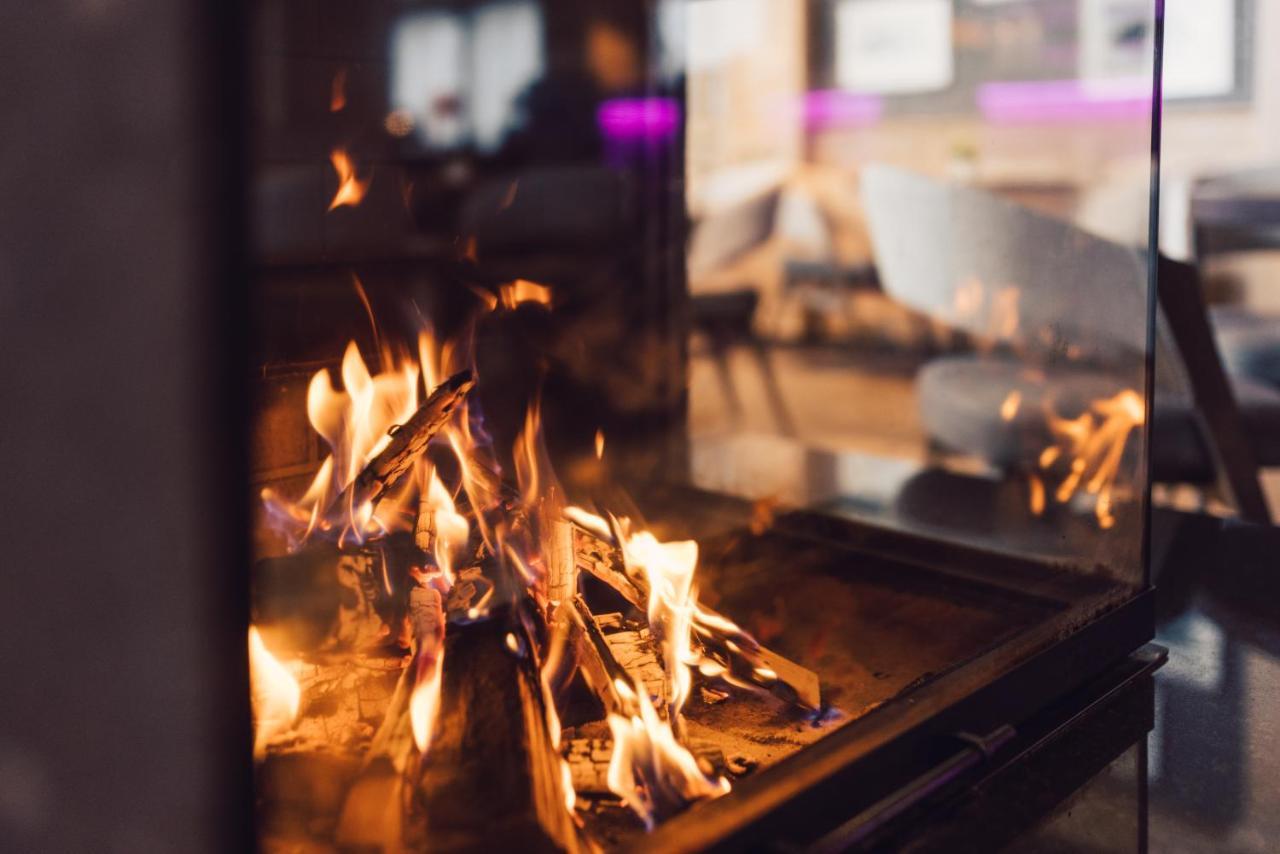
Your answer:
<point x="354" y="423"/>
<point x="351" y="189"/>
<point x="520" y="291"/>
<point x="338" y="91"/>
<point x="424" y="704"/>
<point x="652" y="772"/>
<point x="669" y="568"/>
<point x="452" y="530"/>
<point x="1094" y="443"/>
<point x="1036" y="499"/>
<point x="426" y="606"/>
<point x="599" y="444"/>
<point x="546" y="675"/>
<point x="275" y="693"/>
<point x="1009" y="408"/>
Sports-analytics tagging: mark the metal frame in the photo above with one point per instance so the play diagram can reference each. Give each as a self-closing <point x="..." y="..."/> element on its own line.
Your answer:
<point x="810" y="792"/>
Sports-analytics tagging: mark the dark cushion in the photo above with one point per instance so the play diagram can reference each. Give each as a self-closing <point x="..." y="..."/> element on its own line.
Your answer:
<point x="960" y="399"/>
<point x="1179" y="450"/>
<point x="1249" y="343"/>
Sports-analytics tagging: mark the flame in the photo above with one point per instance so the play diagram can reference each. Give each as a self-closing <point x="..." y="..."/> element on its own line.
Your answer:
<point x="354" y="423"/>
<point x="551" y="667"/>
<point x="509" y="197"/>
<point x="669" y="568"/>
<point x="351" y="189"/>
<point x="520" y="291"/>
<point x="533" y="467"/>
<point x="428" y="658"/>
<point x="1094" y="444"/>
<point x="452" y="531"/>
<point x="1009" y="408"/>
<point x="1036" y="498"/>
<point x="599" y="444"/>
<point x="424" y="703"/>
<point x="652" y="772"/>
<point x="275" y="693"/>
<point x="338" y="91"/>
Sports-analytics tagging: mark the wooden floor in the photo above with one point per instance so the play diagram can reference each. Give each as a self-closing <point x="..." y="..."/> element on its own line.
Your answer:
<point x="837" y="400"/>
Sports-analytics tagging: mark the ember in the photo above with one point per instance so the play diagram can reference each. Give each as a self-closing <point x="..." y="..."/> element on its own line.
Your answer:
<point x="351" y="190"/>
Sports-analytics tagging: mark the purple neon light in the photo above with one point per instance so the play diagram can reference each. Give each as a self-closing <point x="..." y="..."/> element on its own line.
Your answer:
<point x="835" y="108"/>
<point x="638" y="118"/>
<point x="1052" y="101"/>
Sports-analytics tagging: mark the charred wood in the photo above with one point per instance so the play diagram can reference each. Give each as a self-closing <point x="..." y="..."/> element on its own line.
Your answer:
<point x="589" y="759"/>
<point x="743" y="659"/>
<point x="492" y="779"/>
<point x="408" y="442"/>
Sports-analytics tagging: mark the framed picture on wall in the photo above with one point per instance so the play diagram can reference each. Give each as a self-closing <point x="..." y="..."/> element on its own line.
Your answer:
<point x="893" y="47"/>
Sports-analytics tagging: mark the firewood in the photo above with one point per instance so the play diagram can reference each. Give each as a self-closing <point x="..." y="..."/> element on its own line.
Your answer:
<point x="636" y="651"/>
<point x="599" y="668"/>
<point x="305" y="772"/>
<point x="589" y="758"/>
<point x="742" y="657"/>
<point x="407" y="443"/>
<point x="372" y="814"/>
<point x="558" y="557"/>
<point x="492" y="780"/>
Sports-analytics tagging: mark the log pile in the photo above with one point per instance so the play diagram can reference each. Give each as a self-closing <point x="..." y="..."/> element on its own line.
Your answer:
<point x="497" y="659"/>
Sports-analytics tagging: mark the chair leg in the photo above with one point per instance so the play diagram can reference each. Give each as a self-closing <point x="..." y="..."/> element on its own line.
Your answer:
<point x="773" y="389"/>
<point x="724" y="372"/>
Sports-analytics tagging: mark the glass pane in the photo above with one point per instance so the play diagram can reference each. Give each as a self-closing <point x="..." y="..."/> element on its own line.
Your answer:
<point x="785" y="362"/>
<point x="935" y="247"/>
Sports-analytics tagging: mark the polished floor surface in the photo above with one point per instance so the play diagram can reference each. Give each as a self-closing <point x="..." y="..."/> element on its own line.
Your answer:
<point x="1213" y="759"/>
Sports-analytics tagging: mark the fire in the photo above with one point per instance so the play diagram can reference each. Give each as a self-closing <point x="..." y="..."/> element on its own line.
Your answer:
<point x="426" y="609"/>
<point x="547" y="674"/>
<point x="1094" y="445"/>
<point x="275" y="693"/>
<point x="1036" y="499"/>
<point x="669" y="568"/>
<point x="351" y="189"/>
<point x="649" y="769"/>
<point x="520" y="291"/>
<point x="424" y="704"/>
<point x="338" y="91"/>
<point x="452" y="531"/>
<point x="354" y="423"/>
<point x="357" y="411"/>
<point x="1009" y="408"/>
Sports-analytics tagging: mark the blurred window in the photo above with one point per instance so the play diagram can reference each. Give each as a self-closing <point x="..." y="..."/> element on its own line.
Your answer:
<point x="460" y="74"/>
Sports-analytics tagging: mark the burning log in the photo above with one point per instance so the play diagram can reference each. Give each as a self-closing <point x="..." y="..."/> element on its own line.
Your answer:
<point x="589" y="759"/>
<point x="637" y="653"/>
<point x="492" y="780"/>
<point x="305" y="771"/>
<point x="407" y="443"/>
<point x="743" y="659"/>
<point x="600" y="669"/>
<point x="373" y="815"/>
<point x="558" y="557"/>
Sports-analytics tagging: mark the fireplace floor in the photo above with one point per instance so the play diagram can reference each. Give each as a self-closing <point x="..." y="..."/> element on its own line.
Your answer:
<point x="872" y="628"/>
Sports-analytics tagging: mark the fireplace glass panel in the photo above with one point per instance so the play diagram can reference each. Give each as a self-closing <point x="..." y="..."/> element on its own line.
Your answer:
<point x="855" y="294"/>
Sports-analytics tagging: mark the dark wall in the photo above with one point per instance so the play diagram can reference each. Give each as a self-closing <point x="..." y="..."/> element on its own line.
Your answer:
<point x="123" y="719"/>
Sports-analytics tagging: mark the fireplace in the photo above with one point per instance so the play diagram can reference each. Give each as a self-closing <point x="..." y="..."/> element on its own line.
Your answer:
<point x="586" y="509"/>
